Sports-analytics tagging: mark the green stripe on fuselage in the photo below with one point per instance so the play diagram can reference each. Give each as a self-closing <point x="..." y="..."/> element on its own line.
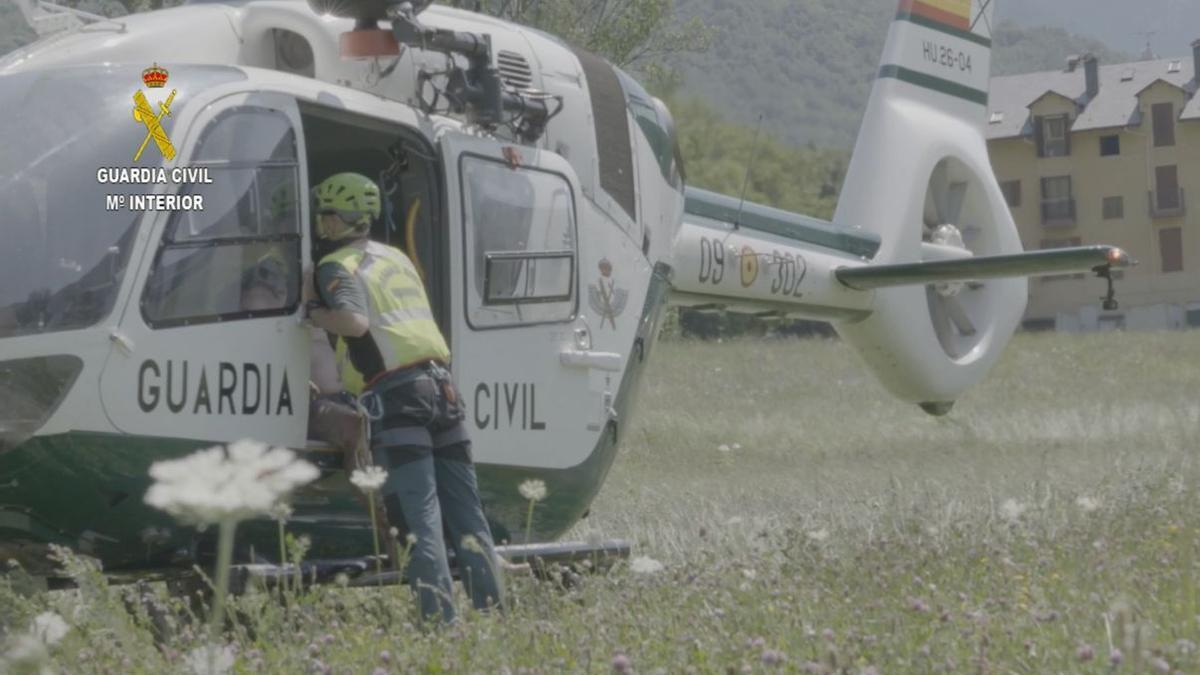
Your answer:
<point x="935" y="83"/>
<point x="781" y="223"/>
<point x="85" y="490"/>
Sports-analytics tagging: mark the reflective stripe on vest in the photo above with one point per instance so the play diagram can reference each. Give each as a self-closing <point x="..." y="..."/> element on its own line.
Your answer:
<point x="401" y="322"/>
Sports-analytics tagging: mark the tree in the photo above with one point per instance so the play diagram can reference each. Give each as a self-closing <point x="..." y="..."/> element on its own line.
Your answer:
<point x="626" y="32"/>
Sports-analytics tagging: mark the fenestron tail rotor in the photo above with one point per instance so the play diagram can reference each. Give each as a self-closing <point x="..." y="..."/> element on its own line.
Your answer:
<point x="954" y="212"/>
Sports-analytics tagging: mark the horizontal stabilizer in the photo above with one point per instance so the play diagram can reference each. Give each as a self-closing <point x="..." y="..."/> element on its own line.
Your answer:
<point x="1033" y="263"/>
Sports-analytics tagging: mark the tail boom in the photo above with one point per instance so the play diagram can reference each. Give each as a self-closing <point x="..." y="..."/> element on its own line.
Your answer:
<point x="754" y="272"/>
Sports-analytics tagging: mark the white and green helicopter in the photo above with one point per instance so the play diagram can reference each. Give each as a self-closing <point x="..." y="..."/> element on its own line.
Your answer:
<point x="539" y="188"/>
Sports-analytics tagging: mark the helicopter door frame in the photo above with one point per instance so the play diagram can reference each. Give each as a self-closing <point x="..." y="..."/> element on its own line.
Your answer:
<point x="516" y="304"/>
<point x="212" y="344"/>
<point x="403" y="128"/>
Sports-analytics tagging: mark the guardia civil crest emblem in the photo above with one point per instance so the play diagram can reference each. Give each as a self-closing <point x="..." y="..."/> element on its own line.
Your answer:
<point x="605" y="298"/>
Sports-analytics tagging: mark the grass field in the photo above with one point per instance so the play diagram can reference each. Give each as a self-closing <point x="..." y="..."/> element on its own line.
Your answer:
<point x="806" y="522"/>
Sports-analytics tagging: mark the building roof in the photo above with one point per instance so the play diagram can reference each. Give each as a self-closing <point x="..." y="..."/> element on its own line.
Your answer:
<point x="1115" y="106"/>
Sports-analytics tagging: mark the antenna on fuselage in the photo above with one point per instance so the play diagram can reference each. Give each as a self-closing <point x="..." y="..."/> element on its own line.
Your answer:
<point x="737" y="222"/>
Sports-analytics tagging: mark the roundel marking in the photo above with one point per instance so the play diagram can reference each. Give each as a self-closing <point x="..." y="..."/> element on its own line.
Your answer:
<point x="749" y="267"/>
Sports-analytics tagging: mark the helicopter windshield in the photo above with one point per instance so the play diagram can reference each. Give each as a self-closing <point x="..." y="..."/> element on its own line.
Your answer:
<point x="65" y="251"/>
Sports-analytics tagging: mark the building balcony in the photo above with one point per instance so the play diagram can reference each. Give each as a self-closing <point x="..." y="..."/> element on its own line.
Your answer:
<point x="1058" y="213"/>
<point x="1167" y="204"/>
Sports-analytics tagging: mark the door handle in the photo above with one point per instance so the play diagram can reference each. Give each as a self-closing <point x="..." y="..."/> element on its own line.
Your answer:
<point x="575" y="358"/>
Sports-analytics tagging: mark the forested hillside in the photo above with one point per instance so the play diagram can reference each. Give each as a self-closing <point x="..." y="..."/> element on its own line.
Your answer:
<point x="807" y="65"/>
<point x="1123" y="24"/>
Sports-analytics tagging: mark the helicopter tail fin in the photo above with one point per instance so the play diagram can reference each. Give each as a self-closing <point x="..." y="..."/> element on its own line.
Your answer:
<point x="920" y="179"/>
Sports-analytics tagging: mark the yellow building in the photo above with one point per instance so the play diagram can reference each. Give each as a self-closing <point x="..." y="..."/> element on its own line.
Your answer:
<point x="1105" y="154"/>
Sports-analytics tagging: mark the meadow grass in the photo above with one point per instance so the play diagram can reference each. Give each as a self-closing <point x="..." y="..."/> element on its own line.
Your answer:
<point x="805" y="522"/>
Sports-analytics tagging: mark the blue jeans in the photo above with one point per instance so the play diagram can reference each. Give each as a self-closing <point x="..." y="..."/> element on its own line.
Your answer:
<point x="431" y="488"/>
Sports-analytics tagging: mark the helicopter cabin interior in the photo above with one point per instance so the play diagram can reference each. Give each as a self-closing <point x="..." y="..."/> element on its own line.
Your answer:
<point x="406" y="169"/>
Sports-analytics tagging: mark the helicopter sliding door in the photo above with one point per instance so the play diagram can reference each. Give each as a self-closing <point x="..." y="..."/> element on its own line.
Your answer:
<point x="213" y="348"/>
<point x="514" y="216"/>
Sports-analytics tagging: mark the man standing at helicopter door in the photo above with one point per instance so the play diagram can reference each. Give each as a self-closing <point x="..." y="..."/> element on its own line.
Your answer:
<point x="393" y="355"/>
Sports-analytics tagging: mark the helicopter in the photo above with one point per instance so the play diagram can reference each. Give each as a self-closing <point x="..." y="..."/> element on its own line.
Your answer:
<point x="540" y="190"/>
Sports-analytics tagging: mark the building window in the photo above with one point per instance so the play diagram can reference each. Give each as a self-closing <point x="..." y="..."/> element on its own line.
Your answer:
<point x="1012" y="192"/>
<point x="1054" y="141"/>
<point x="1163" y="115"/>
<point x="1065" y="242"/>
<point x="1170" y="246"/>
<point x="1110" y="146"/>
<point x="1114" y="208"/>
<point x="1167" y="198"/>
<point x="1058" y="207"/>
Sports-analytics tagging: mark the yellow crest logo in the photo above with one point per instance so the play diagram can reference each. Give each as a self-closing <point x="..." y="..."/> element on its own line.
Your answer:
<point x="154" y="77"/>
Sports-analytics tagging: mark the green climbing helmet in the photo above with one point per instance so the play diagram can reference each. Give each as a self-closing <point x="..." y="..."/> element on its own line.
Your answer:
<point x="351" y="196"/>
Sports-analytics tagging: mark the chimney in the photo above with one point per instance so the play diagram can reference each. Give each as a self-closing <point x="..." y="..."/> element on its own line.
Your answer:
<point x="1091" y="74"/>
<point x="1073" y="62"/>
<point x="1196" y="60"/>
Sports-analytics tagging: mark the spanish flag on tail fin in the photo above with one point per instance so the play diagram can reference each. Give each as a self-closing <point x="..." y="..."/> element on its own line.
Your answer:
<point x="953" y="13"/>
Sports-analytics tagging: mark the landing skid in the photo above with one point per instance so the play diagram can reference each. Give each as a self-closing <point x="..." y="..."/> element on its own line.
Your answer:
<point x="543" y="561"/>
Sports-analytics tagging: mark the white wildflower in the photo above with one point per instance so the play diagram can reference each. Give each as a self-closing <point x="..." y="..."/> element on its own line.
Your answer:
<point x="533" y="490"/>
<point x="281" y="512"/>
<point x="49" y="628"/>
<point x="723" y="448"/>
<point x="645" y="565"/>
<point x="1087" y="504"/>
<point x="394" y="533"/>
<point x="155" y="535"/>
<point x="25" y="650"/>
<point x="818" y="535"/>
<point x="470" y="543"/>
<point x="734" y="521"/>
<point x="410" y="539"/>
<point x="1012" y="509"/>
<point x="736" y="446"/>
<point x="749" y="573"/>
<point x="210" y="660"/>
<point x="218" y="485"/>
<point x="369" y="479"/>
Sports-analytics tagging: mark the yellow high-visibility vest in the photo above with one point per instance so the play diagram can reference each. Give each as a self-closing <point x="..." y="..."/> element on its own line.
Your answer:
<point x="401" y="322"/>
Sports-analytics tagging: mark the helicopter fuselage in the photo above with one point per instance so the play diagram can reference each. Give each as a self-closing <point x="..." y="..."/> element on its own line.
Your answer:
<point x="539" y="257"/>
<point x="550" y="239"/>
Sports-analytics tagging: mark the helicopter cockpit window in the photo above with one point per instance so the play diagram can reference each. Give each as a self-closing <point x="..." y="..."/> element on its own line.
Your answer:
<point x="658" y="127"/>
<point x="521" y="248"/>
<point x="240" y="256"/>
<point x="65" y="250"/>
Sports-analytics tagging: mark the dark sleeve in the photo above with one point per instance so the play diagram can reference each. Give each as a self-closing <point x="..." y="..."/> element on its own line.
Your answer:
<point x="339" y="289"/>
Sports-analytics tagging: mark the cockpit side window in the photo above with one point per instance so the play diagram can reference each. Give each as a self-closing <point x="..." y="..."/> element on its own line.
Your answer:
<point x="239" y="257"/>
<point x="520" y="244"/>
